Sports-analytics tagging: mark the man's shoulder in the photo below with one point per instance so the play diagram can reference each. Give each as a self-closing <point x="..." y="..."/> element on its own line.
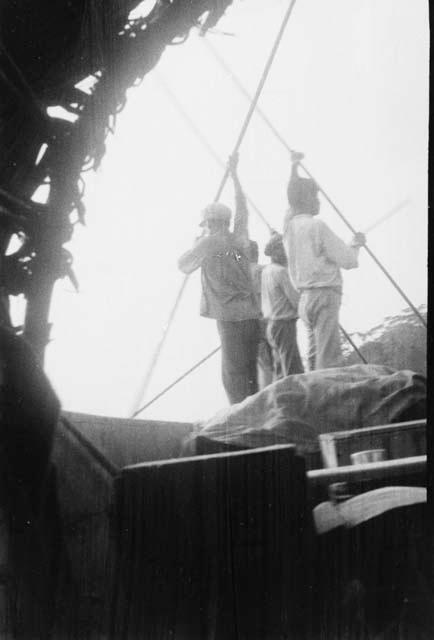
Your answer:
<point x="311" y="225"/>
<point x="224" y="244"/>
<point x="216" y="242"/>
<point x="274" y="270"/>
<point x="303" y="220"/>
<point x="319" y="223"/>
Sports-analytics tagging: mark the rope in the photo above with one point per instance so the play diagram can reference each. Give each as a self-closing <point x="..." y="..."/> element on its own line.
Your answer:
<point x="212" y="152"/>
<point x="205" y="142"/>
<point x="396" y="209"/>
<point x="225" y="177"/>
<point x="283" y="142"/>
<point x="175" y="382"/>
<point x="258" y="92"/>
<point x="198" y="364"/>
<point x="348" y="337"/>
<point x="216" y="157"/>
<point x="159" y="347"/>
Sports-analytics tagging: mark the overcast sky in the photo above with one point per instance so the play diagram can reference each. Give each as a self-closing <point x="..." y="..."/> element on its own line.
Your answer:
<point x="349" y="87"/>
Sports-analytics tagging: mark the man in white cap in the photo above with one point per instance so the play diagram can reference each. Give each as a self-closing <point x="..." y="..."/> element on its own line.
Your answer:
<point x="279" y="308"/>
<point x="316" y="256"/>
<point x="228" y="294"/>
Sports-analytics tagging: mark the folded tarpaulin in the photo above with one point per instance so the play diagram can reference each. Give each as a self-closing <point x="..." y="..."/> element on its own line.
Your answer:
<point x="300" y="407"/>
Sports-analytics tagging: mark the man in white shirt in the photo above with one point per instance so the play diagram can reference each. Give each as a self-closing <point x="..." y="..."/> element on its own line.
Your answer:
<point x="279" y="308"/>
<point x="316" y="256"/>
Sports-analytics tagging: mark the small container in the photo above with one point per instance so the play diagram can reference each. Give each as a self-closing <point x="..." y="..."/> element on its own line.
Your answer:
<point x="371" y="455"/>
<point x="339" y="492"/>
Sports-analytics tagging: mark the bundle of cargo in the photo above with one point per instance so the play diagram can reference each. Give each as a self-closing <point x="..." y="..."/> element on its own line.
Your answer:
<point x="299" y="408"/>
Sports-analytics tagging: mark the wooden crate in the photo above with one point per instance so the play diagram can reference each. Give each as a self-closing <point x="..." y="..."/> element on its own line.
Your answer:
<point x="400" y="440"/>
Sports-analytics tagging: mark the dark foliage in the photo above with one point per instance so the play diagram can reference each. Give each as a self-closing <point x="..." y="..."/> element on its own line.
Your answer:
<point x="46" y="49"/>
<point x="399" y="342"/>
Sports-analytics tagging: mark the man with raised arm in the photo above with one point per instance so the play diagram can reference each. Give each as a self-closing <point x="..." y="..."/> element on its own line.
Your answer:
<point x="316" y="256"/>
<point x="228" y="294"/>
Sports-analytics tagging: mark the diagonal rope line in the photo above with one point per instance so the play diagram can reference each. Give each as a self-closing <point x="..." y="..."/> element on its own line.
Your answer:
<point x="205" y="142"/>
<point x="283" y="142"/>
<point x="159" y="347"/>
<point x="206" y="358"/>
<point x="352" y="343"/>
<point x="396" y="209"/>
<point x="216" y="157"/>
<point x="238" y="142"/>
<point x="258" y="92"/>
<point x="175" y="382"/>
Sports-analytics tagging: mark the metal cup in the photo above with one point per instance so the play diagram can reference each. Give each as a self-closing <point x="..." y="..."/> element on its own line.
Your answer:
<point x="371" y="455"/>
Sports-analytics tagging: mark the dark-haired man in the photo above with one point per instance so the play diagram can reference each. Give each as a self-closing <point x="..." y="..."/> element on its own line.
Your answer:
<point x="228" y="293"/>
<point x="316" y="256"/>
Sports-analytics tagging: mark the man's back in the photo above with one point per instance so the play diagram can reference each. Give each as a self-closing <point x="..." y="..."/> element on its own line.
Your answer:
<point x="227" y="286"/>
<point x="315" y="253"/>
<point x="279" y="299"/>
<point x="228" y="292"/>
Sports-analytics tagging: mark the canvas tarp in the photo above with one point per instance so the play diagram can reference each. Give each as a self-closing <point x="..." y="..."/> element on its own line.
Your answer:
<point x="300" y="407"/>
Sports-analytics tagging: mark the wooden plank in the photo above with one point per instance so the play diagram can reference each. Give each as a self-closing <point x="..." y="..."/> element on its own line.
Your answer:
<point x="400" y="440"/>
<point x="389" y="468"/>
<point x="70" y="431"/>
<point x="211" y="547"/>
<point x="367" y="477"/>
<point x="379" y="428"/>
<point x="284" y="448"/>
<point x="85" y="480"/>
<point x="124" y="442"/>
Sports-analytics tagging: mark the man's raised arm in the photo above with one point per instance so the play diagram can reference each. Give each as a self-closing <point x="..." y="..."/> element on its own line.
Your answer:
<point x="241" y="218"/>
<point x="193" y="258"/>
<point x="345" y="256"/>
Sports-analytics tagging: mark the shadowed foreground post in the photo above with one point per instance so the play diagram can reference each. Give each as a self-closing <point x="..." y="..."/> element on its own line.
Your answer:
<point x="211" y="547"/>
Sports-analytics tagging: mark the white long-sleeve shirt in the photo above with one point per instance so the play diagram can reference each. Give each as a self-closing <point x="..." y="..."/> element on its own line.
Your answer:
<point x="315" y="253"/>
<point x="279" y="298"/>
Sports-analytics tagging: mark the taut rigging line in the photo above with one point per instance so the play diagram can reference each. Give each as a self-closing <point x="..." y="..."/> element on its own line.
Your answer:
<point x="283" y="142"/>
<point x="240" y="138"/>
<point x="207" y="357"/>
<point x="213" y="153"/>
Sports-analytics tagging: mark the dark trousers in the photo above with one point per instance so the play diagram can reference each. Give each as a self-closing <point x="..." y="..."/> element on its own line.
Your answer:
<point x="239" y="341"/>
<point x="282" y="336"/>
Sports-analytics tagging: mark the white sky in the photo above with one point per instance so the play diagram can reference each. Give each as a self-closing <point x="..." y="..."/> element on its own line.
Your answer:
<point x="349" y="87"/>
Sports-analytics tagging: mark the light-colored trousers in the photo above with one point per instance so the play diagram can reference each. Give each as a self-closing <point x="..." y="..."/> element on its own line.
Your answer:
<point x="265" y="359"/>
<point x="319" y="310"/>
